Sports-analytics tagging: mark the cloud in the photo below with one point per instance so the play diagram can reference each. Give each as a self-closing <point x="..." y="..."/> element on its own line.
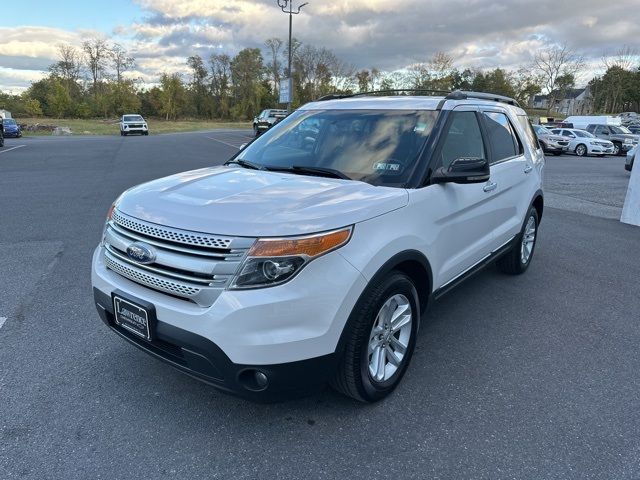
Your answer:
<point x="366" y="33"/>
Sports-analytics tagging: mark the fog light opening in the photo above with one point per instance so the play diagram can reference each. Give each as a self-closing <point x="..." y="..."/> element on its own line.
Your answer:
<point x="254" y="380"/>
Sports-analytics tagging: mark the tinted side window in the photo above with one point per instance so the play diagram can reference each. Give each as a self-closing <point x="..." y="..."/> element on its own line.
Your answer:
<point x="601" y="129"/>
<point x="502" y="138"/>
<point x="463" y="139"/>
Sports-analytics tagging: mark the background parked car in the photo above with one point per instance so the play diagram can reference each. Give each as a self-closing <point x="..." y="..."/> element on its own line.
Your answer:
<point x="635" y="129"/>
<point x="628" y="165"/>
<point x="133" y="123"/>
<point x="623" y="140"/>
<point x="10" y="128"/>
<point x="584" y="143"/>
<point x="267" y="119"/>
<point x="551" y="143"/>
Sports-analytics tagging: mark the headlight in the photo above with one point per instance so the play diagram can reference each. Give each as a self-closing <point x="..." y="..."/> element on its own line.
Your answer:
<point x="273" y="261"/>
<point x="628" y="140"/>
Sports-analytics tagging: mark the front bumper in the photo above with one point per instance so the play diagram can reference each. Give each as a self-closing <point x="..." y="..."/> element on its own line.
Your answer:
<point x="600" y="150"/>
<point x="202" y="359"/>
<point x="289" y="332"/>
<point x="627" y="146"/>
<point x="13" y="134"/>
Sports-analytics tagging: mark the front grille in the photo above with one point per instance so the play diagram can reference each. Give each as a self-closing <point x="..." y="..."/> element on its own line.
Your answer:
<point x="193" y="266"/>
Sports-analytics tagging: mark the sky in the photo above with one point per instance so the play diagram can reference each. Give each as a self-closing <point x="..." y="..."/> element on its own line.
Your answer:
<point x="384" y="34"/>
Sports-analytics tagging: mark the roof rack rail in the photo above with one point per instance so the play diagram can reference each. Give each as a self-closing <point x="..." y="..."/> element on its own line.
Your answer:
<point x="338" y="96"/>
<point x="449" y="95"/>
<point x="464" y="95"/>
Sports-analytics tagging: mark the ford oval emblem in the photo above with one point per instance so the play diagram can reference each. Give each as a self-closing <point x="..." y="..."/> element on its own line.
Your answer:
<point x="141" y="253"/>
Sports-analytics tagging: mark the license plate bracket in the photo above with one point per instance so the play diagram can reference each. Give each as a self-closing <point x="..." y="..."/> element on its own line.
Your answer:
<point x="134" y="315"/>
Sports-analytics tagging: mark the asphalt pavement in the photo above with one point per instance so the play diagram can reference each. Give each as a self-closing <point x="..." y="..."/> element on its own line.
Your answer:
<point x="529" y="377"/>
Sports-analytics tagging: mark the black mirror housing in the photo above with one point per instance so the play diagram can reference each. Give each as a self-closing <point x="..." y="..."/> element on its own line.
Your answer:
<point x="463" y="170"/>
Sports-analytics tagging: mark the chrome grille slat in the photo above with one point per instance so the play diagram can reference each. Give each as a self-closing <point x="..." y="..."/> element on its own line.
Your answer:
<point x="171" y="234"/>
<point x="177" y="276"/>
<point x="150" y="241"/>
<point x="190" y="265"/>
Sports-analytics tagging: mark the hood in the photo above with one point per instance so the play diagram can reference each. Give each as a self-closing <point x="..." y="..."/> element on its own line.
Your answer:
<point x="556" y="138"/>
<point x="623" y="136"/>
<point x="250" y="203"/>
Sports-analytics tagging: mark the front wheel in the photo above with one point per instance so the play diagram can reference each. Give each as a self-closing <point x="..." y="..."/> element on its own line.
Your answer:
<point x="617" y="148"/>
<point x="518" y="259"/>
<point x="380" y="340"/>
<point x="581" y="150"/>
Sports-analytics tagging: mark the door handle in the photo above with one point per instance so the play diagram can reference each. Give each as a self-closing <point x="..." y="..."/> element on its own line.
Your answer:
<point x="490" y="186"/>
<point x="528" y="169"/>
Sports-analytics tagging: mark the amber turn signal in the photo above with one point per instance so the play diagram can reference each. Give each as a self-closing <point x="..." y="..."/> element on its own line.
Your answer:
<point x="311" y="246"/>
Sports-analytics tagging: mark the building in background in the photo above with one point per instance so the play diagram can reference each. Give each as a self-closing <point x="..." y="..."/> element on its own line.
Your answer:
<point x="575" y="101"/>
<point x="5" y="114"/>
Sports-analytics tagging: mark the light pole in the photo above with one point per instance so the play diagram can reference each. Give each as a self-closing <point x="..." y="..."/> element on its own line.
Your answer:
<point x="287" y="7"/>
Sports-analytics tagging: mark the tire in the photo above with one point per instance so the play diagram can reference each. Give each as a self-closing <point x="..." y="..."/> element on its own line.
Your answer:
<point x="581" y="150"/>
<point x="353" y="376"/>
<point x="544" y="147"/>
<point x="1" y="141"/>
<point x="146" y="134"/>
<point x="256" y="132"/>
<point x="617" y="148"/>
<point x="513" y="262"/>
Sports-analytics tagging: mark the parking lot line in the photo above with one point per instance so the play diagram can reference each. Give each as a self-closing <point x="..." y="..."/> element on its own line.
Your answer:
<point x="2" y="320"/>
<point x="225" y="143"/>
<point x="12" y="148"/>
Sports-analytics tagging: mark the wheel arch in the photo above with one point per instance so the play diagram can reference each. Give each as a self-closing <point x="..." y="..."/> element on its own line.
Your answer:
<point x="412" y="263"/>
<point x="538" y="204"/>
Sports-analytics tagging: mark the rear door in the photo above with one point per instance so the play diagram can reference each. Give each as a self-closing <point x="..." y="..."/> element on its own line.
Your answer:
<point x="459" y="219"/>
<point x="510" y="173"/>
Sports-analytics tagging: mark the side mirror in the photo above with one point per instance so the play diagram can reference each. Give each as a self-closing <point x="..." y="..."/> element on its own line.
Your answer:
<point x="463" y="170"/>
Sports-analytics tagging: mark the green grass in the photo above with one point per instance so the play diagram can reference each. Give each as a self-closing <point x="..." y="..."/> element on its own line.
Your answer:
<point x="110" y="127"/>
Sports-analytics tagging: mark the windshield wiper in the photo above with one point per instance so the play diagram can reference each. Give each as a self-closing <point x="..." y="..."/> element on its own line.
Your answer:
<point x="316" y="171"/>
<point x="246" y="164"/>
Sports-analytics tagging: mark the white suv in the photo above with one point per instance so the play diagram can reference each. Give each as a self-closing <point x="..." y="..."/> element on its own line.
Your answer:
<point x="133" y="123"/>
<point x="311" y="256"/>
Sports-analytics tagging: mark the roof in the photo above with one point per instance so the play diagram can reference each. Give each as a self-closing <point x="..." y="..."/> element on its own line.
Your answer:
<point x="569" y="94"/>
<point x="397" y="102"/>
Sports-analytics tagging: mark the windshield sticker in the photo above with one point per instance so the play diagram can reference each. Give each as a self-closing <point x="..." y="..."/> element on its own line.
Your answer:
<point x="387" y="167"/>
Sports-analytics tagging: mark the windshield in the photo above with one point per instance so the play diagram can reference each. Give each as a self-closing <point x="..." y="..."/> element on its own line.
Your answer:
<point x="380" y="147"/>
<point x="541" y="130"/>
<point x="622" y="130"/>
<point x="583" y="134"/>
<point x="133" y="118"/>
<point x="9" y="121"/>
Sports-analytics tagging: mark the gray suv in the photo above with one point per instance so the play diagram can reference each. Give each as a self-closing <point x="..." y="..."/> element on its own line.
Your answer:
<point x="551" y="143"/>
<point x="621" y="137"/>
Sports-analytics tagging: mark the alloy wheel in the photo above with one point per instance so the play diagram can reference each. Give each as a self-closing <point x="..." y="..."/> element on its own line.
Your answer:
<point x="528" y="240"/>
<point x="389" y="338"/>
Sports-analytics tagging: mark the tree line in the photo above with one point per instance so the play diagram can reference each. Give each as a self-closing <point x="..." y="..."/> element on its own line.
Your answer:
<point x="91" y="81"/>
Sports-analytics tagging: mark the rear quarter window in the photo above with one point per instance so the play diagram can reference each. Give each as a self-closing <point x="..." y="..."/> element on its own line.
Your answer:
<point x="530" y="135"/>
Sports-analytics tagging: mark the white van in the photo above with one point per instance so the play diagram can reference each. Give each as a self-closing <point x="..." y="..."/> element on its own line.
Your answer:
<point x="581" y="121"/>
